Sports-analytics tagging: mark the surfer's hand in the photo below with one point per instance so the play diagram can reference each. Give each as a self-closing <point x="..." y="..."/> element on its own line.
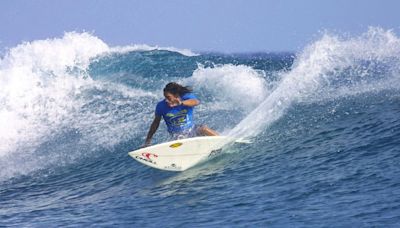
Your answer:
<point x="146" y="144"/>
<point x="174" y="102"/>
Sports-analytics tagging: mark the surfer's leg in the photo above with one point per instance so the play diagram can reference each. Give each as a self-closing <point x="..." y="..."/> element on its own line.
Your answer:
<point x="206" y="131"/>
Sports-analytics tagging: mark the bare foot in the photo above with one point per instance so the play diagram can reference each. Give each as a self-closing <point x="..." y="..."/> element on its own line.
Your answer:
<point x="206" y="131"/>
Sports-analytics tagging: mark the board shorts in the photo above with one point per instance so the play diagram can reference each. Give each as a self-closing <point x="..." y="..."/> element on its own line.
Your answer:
<point x="189" y="133"/>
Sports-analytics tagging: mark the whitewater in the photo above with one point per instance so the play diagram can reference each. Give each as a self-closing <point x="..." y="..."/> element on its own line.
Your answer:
<point x="324" y="125"/>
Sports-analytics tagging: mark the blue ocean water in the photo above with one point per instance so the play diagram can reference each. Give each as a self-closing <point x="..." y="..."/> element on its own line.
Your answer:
<point x="324" y="125"/>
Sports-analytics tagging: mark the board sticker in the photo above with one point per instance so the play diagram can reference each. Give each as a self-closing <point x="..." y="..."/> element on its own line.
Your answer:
<point x="175" y="145"/>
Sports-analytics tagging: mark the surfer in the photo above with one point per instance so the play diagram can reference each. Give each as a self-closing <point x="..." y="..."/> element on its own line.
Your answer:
<point x="177" y="111"/>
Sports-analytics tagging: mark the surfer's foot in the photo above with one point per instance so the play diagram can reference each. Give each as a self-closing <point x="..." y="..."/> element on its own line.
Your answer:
<point x="204" y="130"/>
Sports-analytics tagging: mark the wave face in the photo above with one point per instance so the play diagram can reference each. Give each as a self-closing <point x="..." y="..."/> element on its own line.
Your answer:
<point x="324" y="125"/>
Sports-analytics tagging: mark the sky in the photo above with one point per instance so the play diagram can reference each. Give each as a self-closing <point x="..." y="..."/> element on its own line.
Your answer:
<point x="199" y="25"/>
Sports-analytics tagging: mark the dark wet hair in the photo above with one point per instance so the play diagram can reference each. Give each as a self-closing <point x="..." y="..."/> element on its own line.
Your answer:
<point x="177" y="89"/>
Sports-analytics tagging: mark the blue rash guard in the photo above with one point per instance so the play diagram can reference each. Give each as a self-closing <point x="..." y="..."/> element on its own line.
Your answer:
<point x="179" y="118"/>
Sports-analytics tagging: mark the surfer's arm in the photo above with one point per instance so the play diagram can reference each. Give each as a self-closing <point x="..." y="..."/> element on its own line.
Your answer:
<point x="190" y="102"/>
<point x="153" y="129"/>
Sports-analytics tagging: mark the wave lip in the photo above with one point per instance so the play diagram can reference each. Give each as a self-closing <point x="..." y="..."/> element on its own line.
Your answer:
<point x="72" y="50"/>
<point x="145" y="47"/>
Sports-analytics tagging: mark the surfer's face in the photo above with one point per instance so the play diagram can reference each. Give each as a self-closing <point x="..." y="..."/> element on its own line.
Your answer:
<point x="171" y="99"/>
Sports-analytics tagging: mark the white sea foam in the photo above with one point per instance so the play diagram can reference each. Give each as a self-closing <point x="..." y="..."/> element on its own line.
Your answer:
<point x="45" y="94"/>
<point x="237" y="87"/>
<point x="329" y="68"/>
<point x="35" y="85"/>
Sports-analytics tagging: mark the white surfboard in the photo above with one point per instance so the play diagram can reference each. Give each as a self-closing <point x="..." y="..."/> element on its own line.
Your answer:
<point x="182" y="154"/>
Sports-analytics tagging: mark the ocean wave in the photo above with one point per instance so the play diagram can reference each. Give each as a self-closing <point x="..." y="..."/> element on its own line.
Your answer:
<point x="55" y="102"/>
